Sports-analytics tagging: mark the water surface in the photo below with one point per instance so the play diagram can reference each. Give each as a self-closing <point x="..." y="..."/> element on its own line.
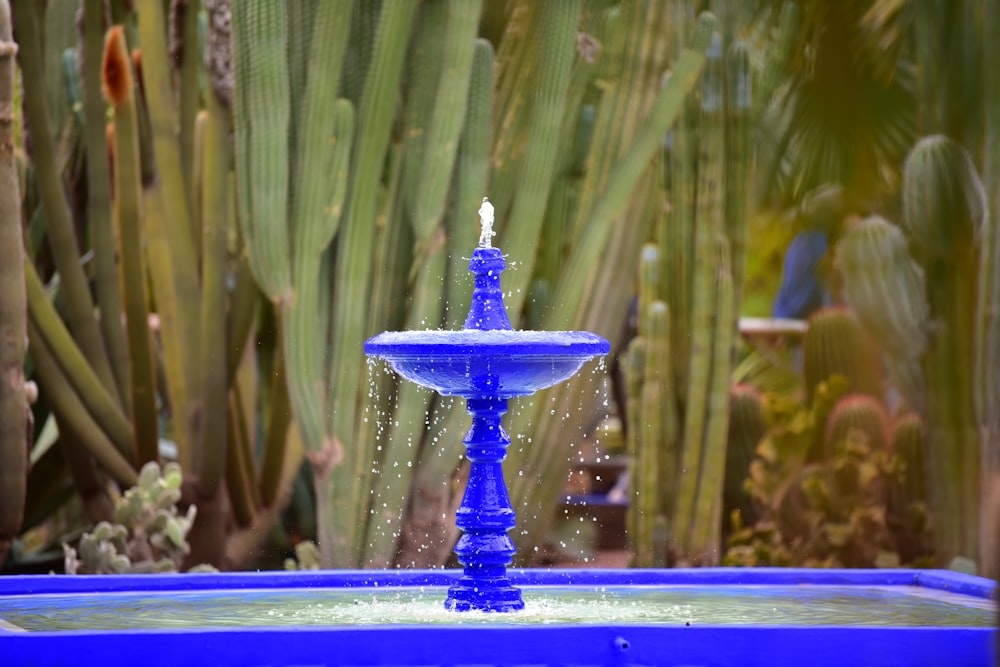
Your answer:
<point x="805" y="605"/>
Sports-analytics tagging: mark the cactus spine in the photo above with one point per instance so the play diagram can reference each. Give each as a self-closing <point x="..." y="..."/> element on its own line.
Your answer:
<point x="14" y="435"/>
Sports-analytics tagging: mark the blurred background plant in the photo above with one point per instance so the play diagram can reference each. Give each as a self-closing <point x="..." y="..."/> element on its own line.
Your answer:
<point x="218" y="202"/>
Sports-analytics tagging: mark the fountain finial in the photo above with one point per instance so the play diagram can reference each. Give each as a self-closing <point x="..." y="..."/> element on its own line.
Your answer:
<point x="486" y="221"/>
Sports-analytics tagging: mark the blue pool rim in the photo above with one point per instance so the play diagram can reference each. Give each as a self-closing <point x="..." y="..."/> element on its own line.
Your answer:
<point x="580" y="644"/>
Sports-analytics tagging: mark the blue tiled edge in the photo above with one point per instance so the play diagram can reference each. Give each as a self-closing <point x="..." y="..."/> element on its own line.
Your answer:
<point x="934" y="579"/>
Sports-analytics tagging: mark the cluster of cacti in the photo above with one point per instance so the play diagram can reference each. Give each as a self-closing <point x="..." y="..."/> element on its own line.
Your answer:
<point x="148" y="534"/>
<point x="128" y="163"/>
<point x="703" y="240"/>
<point x="379" y="241"/>
<point x="935" y="315"/>
<point x="851" y="508"/>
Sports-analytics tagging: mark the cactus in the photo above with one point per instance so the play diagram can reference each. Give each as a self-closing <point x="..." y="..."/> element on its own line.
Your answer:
<point x="835" y="343"/>
<point x="907" y="443"/>
<point x="99" y="212"/>
<point x="119" y="91"/>
<point x="59" y="224"/>
<point x="149" y="534"/>
<point x="885" y="287"/>
<point x="944" y="214"/>
<point x="14" y="436"/>
<point x="709" y="226"/>
<point x="747" y="427"/>
<point x="519" y="237"/>
<point x="857" y="412"/>
<point x="173" y="262"/>
<point x="351" y="282"/>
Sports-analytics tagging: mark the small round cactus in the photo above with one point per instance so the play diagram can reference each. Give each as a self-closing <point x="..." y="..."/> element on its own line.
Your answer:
<point x="859" y="413"/>
<point x="835" y="344"/>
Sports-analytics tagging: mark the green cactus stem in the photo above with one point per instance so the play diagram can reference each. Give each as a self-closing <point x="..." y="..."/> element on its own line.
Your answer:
<point x="71" y="414"/>
<point x="81" y="376"/>
<point x="704" y="292"/>
<point x="944" y="214"/>
<point x="351" y="284"/>
<point x="59" y="225"/>
<point x="558" y="29"/>
<point x="215" y="218"/>
<point x="119" y="90"/>
<point x="95" y="137"/>
<point x="14" y="434"/>
<point x="747" y="427"/>
<point x="178" y="285"/>
<point x="622" y="180"/>
<point x="261" y="115"/>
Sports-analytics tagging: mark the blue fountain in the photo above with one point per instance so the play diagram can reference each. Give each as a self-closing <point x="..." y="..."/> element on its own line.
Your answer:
<point x="725" y="617"/>
<point x="487" y="363"/>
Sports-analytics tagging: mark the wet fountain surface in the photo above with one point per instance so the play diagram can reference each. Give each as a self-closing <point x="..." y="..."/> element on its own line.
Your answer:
<point x="804" y="605"/>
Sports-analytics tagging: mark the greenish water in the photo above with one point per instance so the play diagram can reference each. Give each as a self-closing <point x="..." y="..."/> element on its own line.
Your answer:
<point x="674" y="605"/>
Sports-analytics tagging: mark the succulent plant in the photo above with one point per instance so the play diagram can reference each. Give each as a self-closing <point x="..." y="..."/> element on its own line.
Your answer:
<point x="306" y="557"/>
<point x="149" y="535"/>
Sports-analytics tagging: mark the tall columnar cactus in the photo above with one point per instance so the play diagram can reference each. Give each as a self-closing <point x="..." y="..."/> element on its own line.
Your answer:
<point x="944" y="212"/>
<point x="629" y="181"/>
<point x="836" y="343"/>
<point x="119" y="91"/>
<point x="14" y="436"/>
<point x="885" y="288"/>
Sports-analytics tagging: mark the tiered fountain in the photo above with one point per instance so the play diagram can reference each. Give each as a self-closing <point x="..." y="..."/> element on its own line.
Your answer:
<point x="747" y="617"/>
<point x="487" y="363"/>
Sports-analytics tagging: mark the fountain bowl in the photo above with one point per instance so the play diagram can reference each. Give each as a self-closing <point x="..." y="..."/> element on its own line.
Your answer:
<point x="502" y="363"/>
<point x="782" y="625"/>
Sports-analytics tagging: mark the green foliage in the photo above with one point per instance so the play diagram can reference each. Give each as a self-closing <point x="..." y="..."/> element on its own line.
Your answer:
<point x="839" y="512"/>
<point x="149" y="534"/>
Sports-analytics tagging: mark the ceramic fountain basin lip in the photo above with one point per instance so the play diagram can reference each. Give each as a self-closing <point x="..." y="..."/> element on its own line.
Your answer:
<point x="474" y="362"/>
<point x="582" y="644"/>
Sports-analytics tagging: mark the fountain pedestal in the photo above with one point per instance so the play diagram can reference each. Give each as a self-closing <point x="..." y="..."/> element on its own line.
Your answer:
<point x="485" y="550"/>
<point x="486" y="363"/>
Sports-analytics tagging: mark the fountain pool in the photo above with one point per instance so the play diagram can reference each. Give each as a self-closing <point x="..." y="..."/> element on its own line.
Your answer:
<point x="718" y="617"/>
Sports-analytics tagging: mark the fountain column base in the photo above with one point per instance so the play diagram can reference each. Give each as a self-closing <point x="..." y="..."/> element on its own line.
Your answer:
<point x="485" y="550"/>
